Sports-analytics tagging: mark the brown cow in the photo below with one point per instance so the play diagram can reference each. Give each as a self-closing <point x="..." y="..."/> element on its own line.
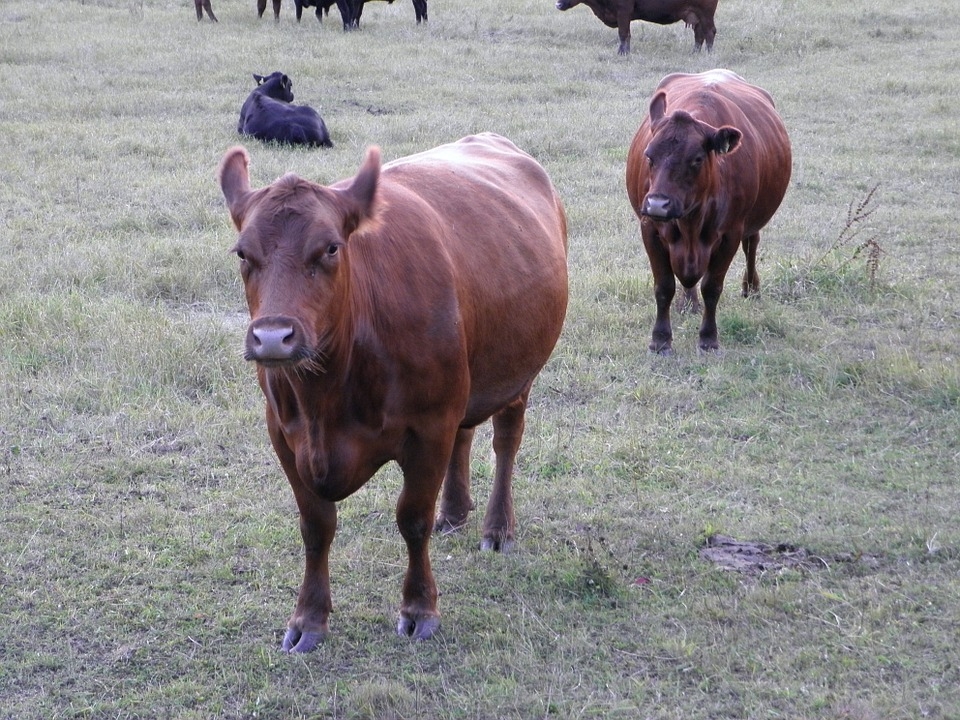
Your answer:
<point x="705" y="172"/>
<point x="204" y="5"/>
<point x="391" y="313"/>
<point x="697" y="14"/>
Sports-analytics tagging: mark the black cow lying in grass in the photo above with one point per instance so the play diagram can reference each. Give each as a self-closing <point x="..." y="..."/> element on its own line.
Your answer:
<point x="267" y="114"/>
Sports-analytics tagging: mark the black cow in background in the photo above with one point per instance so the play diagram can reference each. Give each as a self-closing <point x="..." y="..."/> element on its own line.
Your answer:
<point x="204" y="5"/>
<point x="350" y="10"/>
<point x="419" y="7"/>
<point x="262" y="5"/>
<point x="275" y="85"/>
<point x="322" y="6"/>
<point x="267" y="114"/>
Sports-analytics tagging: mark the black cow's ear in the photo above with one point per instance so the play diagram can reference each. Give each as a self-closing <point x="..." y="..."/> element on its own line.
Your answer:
<point x="658" y="107"/>
<point x="235" y="182"/>
<point x="725" y="140"/>
<point x="259" y="78"/>
<point x="362" y="194"/>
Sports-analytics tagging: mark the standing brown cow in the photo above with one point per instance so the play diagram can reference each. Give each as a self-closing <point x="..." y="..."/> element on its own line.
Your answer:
<point x="391" y="313"/>
<point x="706" y="171"/>
<point x="697" y="14"/>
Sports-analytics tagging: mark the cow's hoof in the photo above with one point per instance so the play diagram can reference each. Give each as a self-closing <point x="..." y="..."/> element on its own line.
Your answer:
<point x="449" y="526"/>
<point x="496" y="544"/>
<point x="298" y="641"/>
<point x="417" y="628"/>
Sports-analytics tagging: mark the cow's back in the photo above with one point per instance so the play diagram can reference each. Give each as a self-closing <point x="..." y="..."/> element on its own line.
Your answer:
<point x="500" y="239"/>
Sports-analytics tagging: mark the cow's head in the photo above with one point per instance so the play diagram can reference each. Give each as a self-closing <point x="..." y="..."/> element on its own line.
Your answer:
<point x="682" y="173"/>
<point x="275" y="85"/>
<point x="293" y="247"/>
<point x="682" y="158"/>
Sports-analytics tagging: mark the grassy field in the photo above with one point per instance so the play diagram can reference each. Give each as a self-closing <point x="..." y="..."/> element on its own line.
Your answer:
<point x="149" y="551"/>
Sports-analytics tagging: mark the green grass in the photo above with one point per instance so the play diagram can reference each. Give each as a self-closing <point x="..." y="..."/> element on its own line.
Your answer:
<point x="149" y="553"/>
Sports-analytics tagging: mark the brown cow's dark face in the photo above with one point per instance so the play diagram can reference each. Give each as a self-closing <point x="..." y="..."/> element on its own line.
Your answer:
<point x="293" y="257"/>
<point x="681" y="159"/>
<point x="681" y="178"/>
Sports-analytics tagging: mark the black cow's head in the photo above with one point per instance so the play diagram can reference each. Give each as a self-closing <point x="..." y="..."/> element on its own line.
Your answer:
<point x="275" y="85"/>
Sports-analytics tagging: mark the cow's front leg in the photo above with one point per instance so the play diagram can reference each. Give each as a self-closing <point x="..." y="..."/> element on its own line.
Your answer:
<point x="423" y="466"/>
<point x="308" y="626"/>
<point x="708" y="327"/>
<point x="664" y="287"/>
<point x="711" y="286"/>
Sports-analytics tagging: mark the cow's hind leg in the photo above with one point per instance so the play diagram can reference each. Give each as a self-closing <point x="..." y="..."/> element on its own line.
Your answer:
<point x="455" y="500"/>
<point x="206" y="6"/>
<point x="751" y="278"/>
<point x="498" y="523"/>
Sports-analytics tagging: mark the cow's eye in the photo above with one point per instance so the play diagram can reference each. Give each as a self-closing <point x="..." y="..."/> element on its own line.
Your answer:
<point x="333" y="249"/>
<point x="243" y="258"/>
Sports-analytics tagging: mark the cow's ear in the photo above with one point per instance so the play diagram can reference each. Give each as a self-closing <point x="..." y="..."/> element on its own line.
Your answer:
<point x="361" y="196"/>
<point x="235" y="182"/>
<point x="725" y="140"/>
<point x="259" y="78"/>
<point x="658" y="107"/>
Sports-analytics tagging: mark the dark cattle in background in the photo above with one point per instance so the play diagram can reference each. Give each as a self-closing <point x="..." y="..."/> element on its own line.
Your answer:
<point x="262" y="6"/>
<point x="419" y="8"/>
<point x="322" y="6"/>
<point x="706" y="171"/>
<point x="267" y="114"/>
<point x="697" y="14"/>
<point x="392" y="313"/>
<point x="202" y="5"/>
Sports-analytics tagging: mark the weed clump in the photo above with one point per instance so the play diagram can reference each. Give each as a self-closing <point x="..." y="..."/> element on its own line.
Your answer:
<point x="850" y="233"/>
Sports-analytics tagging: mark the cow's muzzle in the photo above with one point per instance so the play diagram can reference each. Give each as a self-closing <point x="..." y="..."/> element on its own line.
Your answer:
<point x="659" y="207"/>
<point x="275" y="340"/>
